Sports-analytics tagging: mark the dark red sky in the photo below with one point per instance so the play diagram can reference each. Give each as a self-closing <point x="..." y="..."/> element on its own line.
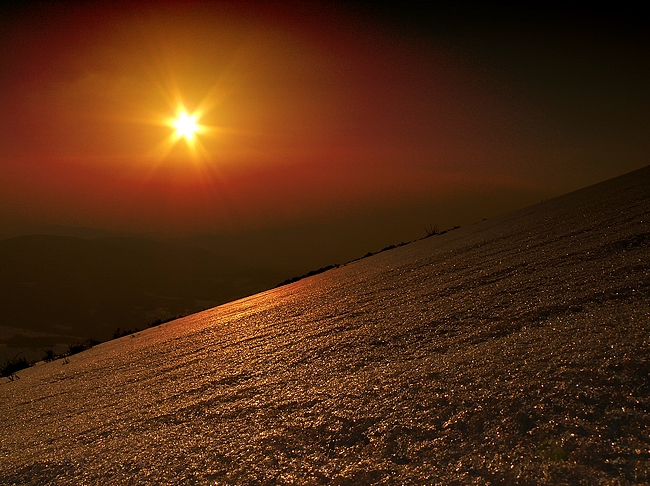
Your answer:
<point x="319" y="113"/>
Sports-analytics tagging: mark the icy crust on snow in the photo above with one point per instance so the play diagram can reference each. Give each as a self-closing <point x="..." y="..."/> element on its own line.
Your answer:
<point x="512" y="351"/>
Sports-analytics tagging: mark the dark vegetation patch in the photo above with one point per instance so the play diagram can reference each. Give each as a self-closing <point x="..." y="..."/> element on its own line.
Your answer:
<point x="308" y="274"/>
<point x="119" y="332"/>
<point x="11" y="367"/>
<point x="76" y="348"/>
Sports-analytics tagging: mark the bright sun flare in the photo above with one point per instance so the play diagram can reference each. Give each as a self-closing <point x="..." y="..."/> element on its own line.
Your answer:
<point x="185" y="126"/>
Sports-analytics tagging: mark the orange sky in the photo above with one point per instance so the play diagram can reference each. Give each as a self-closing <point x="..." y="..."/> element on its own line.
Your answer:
<point x="316" y="112"/>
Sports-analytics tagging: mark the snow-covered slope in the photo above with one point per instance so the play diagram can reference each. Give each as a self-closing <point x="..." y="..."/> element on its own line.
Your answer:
<point x="515" y="350"/>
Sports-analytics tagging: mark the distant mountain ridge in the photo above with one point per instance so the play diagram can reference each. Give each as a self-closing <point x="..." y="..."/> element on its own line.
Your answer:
<point x="77" y="232"/>
<point x="59" y="288"/>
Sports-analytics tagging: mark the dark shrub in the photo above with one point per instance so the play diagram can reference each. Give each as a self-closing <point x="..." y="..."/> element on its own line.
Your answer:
<point x="431" y="230"/>
<point x="9" y="369"/>
<point x="75" y="348"/>
<point x="79" y="347"/>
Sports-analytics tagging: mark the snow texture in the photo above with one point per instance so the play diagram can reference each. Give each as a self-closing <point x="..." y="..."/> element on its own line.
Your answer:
<point x="511" y="351"/>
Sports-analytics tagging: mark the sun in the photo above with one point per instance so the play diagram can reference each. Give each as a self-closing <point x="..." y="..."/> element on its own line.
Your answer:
<point x="186" y="126"/>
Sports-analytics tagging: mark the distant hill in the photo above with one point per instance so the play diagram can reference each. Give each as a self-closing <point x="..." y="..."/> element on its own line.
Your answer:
<point x="78" y="232"/>
<point x="59" y="289"/>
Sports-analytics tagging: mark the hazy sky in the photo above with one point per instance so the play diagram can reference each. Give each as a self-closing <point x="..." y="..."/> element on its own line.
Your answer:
<point x="313" y="113"/>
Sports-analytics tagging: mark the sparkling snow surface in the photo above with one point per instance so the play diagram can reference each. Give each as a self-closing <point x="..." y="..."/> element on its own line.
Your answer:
<point x="515" y="350"/>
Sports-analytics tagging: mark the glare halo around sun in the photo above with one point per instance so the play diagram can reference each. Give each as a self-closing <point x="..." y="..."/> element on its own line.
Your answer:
<point x="186" y="126"/>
